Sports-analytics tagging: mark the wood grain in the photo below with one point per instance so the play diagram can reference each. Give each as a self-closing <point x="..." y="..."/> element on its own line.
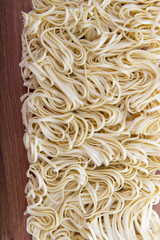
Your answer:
<point x="13" y="160"/>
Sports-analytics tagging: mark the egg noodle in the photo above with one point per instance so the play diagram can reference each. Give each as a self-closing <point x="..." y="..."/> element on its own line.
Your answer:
<point x="92" y="118"/>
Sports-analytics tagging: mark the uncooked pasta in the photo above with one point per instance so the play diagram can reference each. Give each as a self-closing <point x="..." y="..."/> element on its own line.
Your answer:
<point x="92" y="119"/>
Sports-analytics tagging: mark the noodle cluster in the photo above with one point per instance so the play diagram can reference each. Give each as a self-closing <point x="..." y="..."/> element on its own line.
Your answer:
<point x="92" y="118"/>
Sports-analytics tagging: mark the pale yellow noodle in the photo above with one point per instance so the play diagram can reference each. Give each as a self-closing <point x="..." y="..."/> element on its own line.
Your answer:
<point x="92" y="118"/>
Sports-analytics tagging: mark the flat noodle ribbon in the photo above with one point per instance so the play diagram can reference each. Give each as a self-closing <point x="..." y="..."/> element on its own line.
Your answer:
<point x="92" y="118"/>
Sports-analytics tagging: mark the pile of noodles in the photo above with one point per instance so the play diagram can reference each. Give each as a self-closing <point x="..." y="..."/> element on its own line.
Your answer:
<point x="92" y="118"/>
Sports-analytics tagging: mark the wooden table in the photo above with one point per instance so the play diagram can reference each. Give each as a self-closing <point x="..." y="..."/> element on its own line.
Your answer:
<point x="13" y="162"/>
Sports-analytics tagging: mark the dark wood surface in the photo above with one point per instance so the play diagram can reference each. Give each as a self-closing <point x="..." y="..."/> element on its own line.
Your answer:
<point x="13" y="160"/>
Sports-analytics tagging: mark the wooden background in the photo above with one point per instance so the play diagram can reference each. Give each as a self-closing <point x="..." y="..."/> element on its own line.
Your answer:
<point x="13" y="160"/>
